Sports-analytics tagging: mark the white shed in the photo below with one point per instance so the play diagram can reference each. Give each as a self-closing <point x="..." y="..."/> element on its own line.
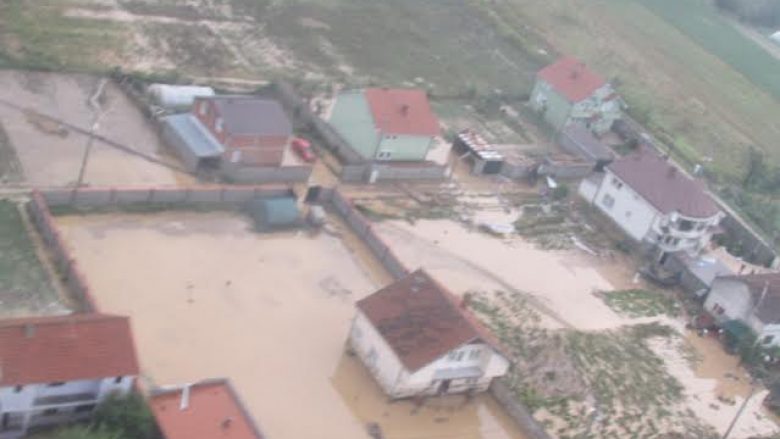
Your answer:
<point x="177" y="97"/>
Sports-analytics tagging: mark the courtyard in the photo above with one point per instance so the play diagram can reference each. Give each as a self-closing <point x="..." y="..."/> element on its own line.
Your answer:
<point x="209" y="297"/>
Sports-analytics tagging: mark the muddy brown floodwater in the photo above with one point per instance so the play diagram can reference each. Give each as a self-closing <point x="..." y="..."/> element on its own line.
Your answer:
<point x="210" y="298"/>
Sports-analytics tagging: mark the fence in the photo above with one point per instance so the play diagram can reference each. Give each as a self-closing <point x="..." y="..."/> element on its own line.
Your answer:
<point x="226" y="196"/>
<point x="66" y="265"/>
<point x="359" y="173"/>
<point x="363" y="229"/>
<point x="260" y="175"/>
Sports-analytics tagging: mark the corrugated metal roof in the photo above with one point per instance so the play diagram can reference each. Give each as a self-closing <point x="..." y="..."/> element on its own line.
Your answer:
<point x="194" y="135"/>
<point x="252" y="116"/>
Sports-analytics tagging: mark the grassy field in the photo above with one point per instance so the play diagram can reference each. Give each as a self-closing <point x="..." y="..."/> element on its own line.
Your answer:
<point x="25" y="286"/>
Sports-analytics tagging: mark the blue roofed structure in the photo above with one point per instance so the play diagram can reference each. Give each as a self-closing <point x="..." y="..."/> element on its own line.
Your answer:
<point x="196" y="146"/>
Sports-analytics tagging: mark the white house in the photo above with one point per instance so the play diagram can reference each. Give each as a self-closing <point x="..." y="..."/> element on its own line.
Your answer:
<point x="416" y="339"/>
<point x="57" y="369"/>
<point x="654" y="202"/>
<point x="568" y="91"/>
<point x="752" y="299"/>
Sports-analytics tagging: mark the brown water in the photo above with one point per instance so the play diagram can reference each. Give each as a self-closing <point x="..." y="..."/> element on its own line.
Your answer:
<point x="210" y="298"/>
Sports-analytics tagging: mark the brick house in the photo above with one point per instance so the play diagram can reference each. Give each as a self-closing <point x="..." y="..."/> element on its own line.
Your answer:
<point x="57" y="369"/>
<point x="417" y="339"/>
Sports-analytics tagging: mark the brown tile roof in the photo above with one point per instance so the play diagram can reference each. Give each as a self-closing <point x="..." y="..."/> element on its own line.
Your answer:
<point x="664" y="185"/>
<point x="213" y="410"/>
<point x="422" y="321"/>
<point x="402" y="111"/>
<point x="64" y="348"/>
<point x="769" y="309"/>
<point x="571" y="78"/>
<point x="252" y="116"/>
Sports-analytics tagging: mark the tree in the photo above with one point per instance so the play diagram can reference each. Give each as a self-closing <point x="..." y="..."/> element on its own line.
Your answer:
<point x="127" y="416"/>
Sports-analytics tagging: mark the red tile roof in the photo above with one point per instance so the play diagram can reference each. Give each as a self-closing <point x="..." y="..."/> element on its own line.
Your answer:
<point x="402" y="111"/>
<point x="213" y="411"/>
<point x="663" y="185"/>
<point x="64" y="348"/>
<point x="422" y="321"/>
<point x="571" y="78"/>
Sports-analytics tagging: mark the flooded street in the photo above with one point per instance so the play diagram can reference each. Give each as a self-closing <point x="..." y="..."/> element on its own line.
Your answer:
<point x="210" y="298"/>
<point x="560" y="284"/>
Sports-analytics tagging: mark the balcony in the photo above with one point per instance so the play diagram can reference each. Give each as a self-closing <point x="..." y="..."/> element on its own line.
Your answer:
<point x="65" y="399"/>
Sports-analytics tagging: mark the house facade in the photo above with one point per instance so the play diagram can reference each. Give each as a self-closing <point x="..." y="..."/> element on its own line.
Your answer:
<point x="654" y="202"/>
<point x="416" y="339"/>
<point x="567" y="91"/>
<point x="57" y="369"/>
<point x="389" y="125"/>
<point x="752" y="299"/>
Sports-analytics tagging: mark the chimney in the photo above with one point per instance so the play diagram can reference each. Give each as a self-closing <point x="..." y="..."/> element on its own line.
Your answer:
<point x="29" y="330"/>
<point x="226" y="423"/>
<point x="185" y="397"/>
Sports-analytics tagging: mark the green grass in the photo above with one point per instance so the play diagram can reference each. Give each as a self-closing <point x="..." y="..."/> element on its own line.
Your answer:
<point x="38" y="35"/>
<point x="703" y="24"/>
<point x="641" y="303"/>
<point x="25" y="286"/>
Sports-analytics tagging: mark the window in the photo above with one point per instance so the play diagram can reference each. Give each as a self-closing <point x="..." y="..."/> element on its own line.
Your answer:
<point x="18" y="389"/>
<point x="717" y="309"/>
<point x="685" y="225"/>
<point x="473" y="355"/>
<point x="84" y="408"/>
<point x="235" y="156"/>
<point x="118" y="380"/>
<point x="608" y="201"/>
<point x="219" y="125"/>
<point x="202" y="108"/>
<point x="56" y="384"/>
<point x="383" y="155"/>
<point x="617" y="183"/>
<point x="455" y="356"/>
<point x="768" y="339"/>
<point x="50" y="412"/>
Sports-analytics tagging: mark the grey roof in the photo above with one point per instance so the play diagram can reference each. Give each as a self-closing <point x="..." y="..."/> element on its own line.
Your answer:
<point x="587" y="143"/>
<point x="253" y="116"/>
<point x="664" y="185"/>
<point x="704" y="268"/>
<point x="194" y="135"/>
<point x="769" y="309"/>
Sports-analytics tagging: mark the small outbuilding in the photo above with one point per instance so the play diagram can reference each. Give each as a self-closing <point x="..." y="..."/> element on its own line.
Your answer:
<point x="274" y="213"/>
<point x="177" y="97"/>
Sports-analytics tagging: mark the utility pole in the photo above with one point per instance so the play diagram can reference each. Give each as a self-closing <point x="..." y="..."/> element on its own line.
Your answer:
<point x="739" y="412"/>
<point x="87" y="150"/>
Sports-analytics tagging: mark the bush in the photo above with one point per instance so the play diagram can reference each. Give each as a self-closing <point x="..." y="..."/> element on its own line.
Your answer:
<point x="127" y="416"/>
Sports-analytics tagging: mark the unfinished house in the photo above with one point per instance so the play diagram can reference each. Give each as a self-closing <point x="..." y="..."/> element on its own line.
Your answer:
<point x="753" y="299"/>
<point x="209" y="409"/>
<point x="567" y="91"/>
<point x="56" y="370"/>
<point x="655" y="202"/>
<point x="417" y="339"/>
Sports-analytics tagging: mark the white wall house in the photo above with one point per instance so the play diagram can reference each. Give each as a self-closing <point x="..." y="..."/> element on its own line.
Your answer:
<point x="752" y="299"/>
<point x="57" y="369"/>
<point x="416" y="340"/>
<point x="654" y="202"/>
<point x="568" y="91"/>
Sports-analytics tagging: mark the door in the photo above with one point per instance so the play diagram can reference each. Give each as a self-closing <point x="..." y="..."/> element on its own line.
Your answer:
<point x="444" y="386"/>
<point x="313" y="194"/>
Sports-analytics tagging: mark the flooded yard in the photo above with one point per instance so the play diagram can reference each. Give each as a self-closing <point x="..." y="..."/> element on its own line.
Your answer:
<point x="209" y="297"/>
<point x="50" y="153"/>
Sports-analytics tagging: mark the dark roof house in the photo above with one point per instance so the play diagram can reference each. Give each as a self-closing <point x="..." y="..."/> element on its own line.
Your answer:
<point x="422" y="321"/>
<point x="664" y="185"/>
<point x="209" y="409"/>
<point x="65" y="348"/>
<point x="247" y="115"/>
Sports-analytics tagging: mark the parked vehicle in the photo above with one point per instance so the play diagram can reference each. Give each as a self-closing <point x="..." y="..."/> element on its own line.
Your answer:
<point x="302" y="147"/>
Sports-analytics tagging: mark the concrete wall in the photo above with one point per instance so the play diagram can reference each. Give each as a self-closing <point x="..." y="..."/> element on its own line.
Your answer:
<point x="375" y="354"/>
<point x="404" y="148"/>
<point x="517" y="411"/>
<point x="733" y="297"/>
<point x="265" y="174"/>
<point x="566" y="170"/>
<point x="389" y="172"/>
